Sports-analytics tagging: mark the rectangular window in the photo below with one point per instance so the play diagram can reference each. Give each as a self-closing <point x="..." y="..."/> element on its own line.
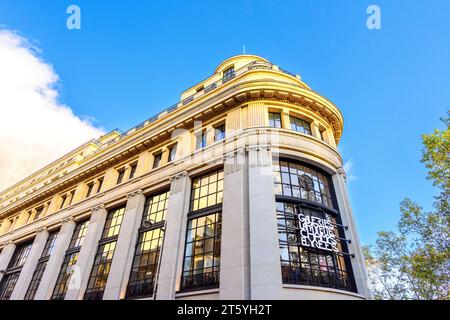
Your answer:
<point x="146" y="258"/>
<point x="172" y="153"/>
<point x="201" y="267"/>
<point x="157" y="160"/>
<point x="70" y="260"/>
<point x="64" y="198"/>
<point x="133" y="168"/>
<point x="300" y="125"/>
<point x="38" y="213"/>
<point x="105" y="252"/>
<point x="71" y="195"/>
<point x="200" y="140"/>
<point x="228" y="74"/>
<point x="100" y="184"/>
<point x="275" y="119"/>
<point x="219" y="133"/>
<point x="89" y="191"/>
<point x="318" y="263"/>
<point x="120" y="176"/>
<point x="207" y="190"/>
<point x="40" y="268"/>
<point x="12" y="274"/>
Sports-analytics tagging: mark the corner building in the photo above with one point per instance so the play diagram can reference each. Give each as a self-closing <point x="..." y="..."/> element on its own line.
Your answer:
<point x="236" y="192"/>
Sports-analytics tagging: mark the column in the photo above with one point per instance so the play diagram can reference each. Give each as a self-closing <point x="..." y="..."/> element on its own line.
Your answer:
<point x="286" y="120"/>
<point x="316" y="130"/>
<point x="265" y="266"/>
<point x="235" y="256"/>
<point x="354" y="247"/>
<point x="6" y="255"/>
<point x="125" y="247"/>
<point x="53" y="267"/>
<point x="173" y="249"/>
<point x="86" y="257"/>
<point x="30" y="265"/>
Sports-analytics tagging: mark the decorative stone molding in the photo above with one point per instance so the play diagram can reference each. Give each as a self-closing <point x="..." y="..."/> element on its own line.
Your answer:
<point x="99" y="207"/>
<point x="341" y="172"/>
<point x="7" y="243"/>
<point x="259" y="155"/>
<point x="234" y="161"/>
<point x="43" y="229"/>
<point x="177" y="181"/>
<point x="134" y="193"/>
<point x="67" y="220"/>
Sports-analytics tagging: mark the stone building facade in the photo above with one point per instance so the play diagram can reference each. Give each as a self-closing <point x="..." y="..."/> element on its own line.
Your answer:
<point x="236" y="192"/>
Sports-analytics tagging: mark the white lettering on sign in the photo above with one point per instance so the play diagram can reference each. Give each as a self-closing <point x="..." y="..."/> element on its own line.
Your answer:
<point x="317" y="233"/>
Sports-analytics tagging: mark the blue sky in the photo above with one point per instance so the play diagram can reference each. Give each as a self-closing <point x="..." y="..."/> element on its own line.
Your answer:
<point x="131" y="59"/>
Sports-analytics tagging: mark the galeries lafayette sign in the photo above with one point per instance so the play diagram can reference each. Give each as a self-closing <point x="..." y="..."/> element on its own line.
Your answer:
<point x="317" y="233"/>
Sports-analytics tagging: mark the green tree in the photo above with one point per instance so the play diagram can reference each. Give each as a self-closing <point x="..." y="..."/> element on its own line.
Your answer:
<point x="414" y="261"/>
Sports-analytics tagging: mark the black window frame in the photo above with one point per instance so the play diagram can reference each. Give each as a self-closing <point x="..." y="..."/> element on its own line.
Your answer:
<point x="157" y="159"/>
<point x="300" y="125"/>
<point x="70" y="260"/>
<point x="15" y="266"/>
<point x="219" y="133"/>
<point x="297" y="275"/>
<point x="190" y="280"/>
<point x="107" y="245"/>
<point x="41" y="266"/>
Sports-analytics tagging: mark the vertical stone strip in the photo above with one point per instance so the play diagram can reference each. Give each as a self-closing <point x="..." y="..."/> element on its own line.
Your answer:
<point x="354" y="247"/>
<point x="265" y="266"/>
<point x="53" y="267"/>
<point x="6" y="255"/>
<point x="30" y="265"/>
<point x="80" y="277"/>
<point x="235" y="256"/>
<point x="126" y="244"/>
<point x="175" y="233"/>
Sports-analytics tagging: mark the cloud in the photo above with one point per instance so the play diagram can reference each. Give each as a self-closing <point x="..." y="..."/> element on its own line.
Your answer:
<point x="35" y="128"/>
<point x="348" y="167"/>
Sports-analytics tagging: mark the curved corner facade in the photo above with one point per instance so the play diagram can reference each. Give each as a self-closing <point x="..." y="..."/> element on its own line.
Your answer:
<point x="236" y="192"/>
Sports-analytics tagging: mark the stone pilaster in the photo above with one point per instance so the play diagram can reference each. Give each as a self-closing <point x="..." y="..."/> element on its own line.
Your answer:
<point x="53" y="267"/>
<point x="235" y="256"/>
<point x="125" y="247"/>
<point x="6" y="255"/>
<point x="354" y="247"/>
<point x="265" y="267"/>
<point x="174" y="237"/>
<point x="82" y="270"/>
<point x="30" y="265"/>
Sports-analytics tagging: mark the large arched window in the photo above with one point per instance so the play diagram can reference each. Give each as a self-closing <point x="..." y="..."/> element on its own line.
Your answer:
<point x="313" y="250"/>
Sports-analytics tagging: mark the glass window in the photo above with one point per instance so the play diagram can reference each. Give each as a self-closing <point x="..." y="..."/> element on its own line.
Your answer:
<point x="311" y="251"/>
<point x="275" y="119"/>
<point x="100" y="184"/>
<point x="219" y="133"/>
<point x="200" y="140"/>
<point x="38" y="213"/>
<point x="172" y="153"/>
<point x="207" y="190"/>
<point x="72" y="194"/>
<point x="300" y="125"/>
<point x="70" y="260"/>
<point x="157" y="160"/>
<point x="298" y="181"/>
<point x="201" y="267"/>
<point x="40" y="268"/>
<point x="155" y="208"/>
<point x="228" y="74"/>
<point x="150" y="238"/>
<point x="12" y="274"/>
<point x="89" y="191"/>
<point x="103" y="258"/>
<point x="120" y="176"/>
<point x="145" y="263"/>
<point x="133" y="168"/>
<point x="64" y="198"/>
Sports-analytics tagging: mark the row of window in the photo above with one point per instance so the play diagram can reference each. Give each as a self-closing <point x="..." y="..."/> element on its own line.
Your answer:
<point x="296" y="124"/>
<point x="312" y="246"/>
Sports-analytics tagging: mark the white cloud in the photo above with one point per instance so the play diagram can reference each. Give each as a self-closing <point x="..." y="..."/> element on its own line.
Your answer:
<point x="35" y="128"/>
<point x="348" y="167"/>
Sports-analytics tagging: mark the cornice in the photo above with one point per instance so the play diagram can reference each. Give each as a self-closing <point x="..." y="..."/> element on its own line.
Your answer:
<point x="241" y="92"/>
